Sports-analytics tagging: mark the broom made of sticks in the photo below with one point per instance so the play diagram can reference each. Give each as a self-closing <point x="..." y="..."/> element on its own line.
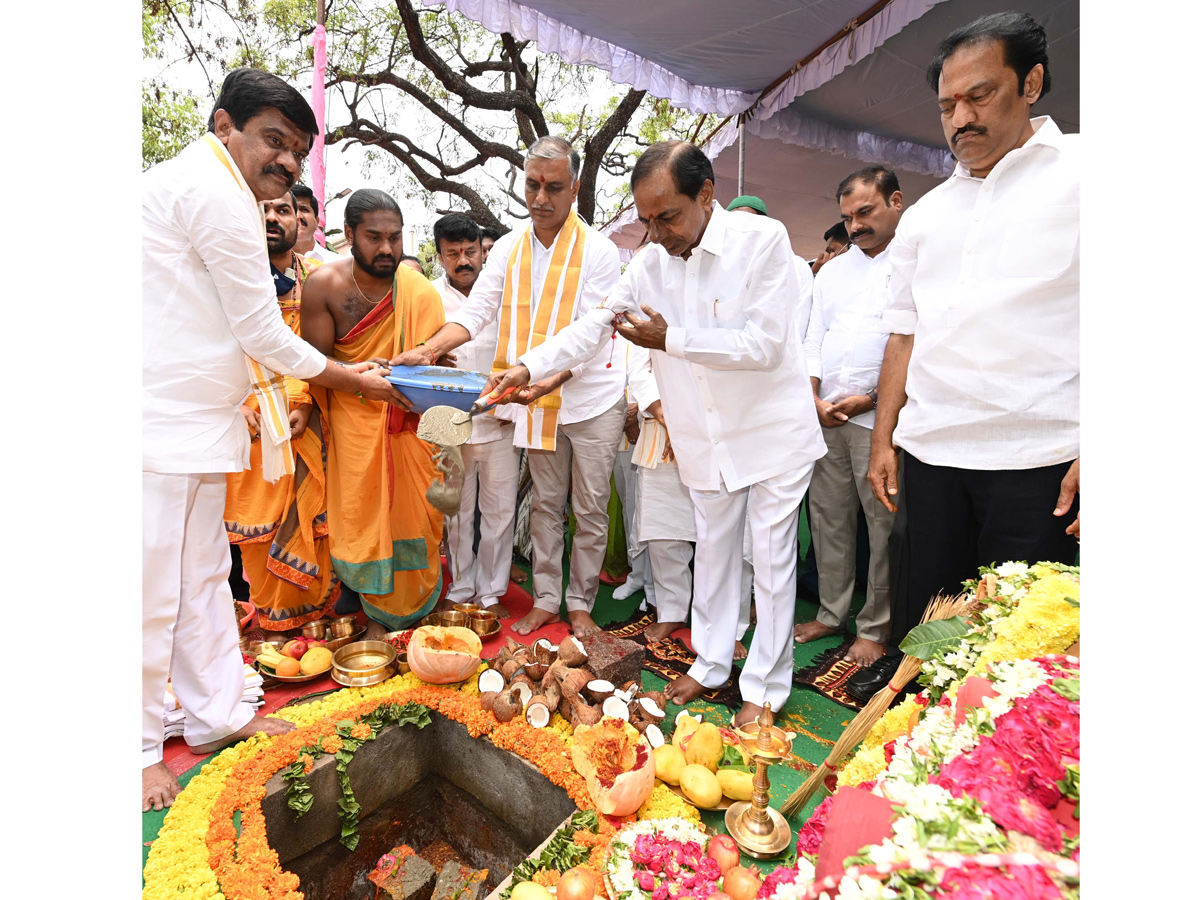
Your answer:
<point x="940" y="607"/>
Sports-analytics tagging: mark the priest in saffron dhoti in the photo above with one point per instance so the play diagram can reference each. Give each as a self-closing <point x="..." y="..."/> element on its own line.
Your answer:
<point x="384" y="535"/>
<point x="281" y="528"/>
<point x="538" y="279"/>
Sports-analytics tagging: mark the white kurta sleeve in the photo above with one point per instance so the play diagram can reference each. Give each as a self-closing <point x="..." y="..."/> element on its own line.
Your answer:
<point x="643" y="388"/>
<point x="817" y="326"/>
<point x="900" y="313"/>
<point x="223" y="231"/>
<point x="769" y="304"/>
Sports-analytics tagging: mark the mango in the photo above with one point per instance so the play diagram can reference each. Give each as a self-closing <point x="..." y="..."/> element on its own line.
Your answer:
<point x="668" y="763"/>
<point x="700" y="786"/>
<point x="734" y="784"/>
<point x="318" y="659"/>
<point x="684" y="727"/>
<point x="705" y="748"/>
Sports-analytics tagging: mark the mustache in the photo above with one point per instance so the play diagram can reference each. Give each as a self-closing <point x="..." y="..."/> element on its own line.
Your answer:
<point x="543" y="208"/>
<point x="969" y="128"/>
<point x="274" y="230"/>
<point x="273" y="169"/>
<point x="464" y="268"/>
<point x="863" y="233"/>
<point x="383" y="259"/>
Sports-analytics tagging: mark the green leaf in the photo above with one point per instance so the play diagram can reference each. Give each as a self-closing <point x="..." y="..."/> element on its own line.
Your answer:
<point x="1073" y="601"/>
<point x="1066" y="687"/>
<point x="931" y="638"/>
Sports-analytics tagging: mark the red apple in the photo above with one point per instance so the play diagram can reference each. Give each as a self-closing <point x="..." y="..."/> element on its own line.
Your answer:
<point x="723" y="849"/>
<point x="295" y="648"/>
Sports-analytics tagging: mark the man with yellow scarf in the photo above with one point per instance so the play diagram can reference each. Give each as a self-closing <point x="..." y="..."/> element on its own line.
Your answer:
<point x="538" y="280"/>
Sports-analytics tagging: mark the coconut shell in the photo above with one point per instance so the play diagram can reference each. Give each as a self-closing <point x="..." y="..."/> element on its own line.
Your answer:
<point x="536" y="671"/>
<point x="582" y="714"/>
<point x="630" y="687"/>
<point x="557" y="670"/>
<point x="538" y="701"/>
<point x="506" y="706"/>
<point x="571" y="652"/>
<point x="502" y="657"/>
<point x="486" y="700"/>
<point x="574" y="681"/>
<point x="524" y="656"/>
<point x="640" y="724"/>
<point x="509" y="669"/>
<point x="545" y="652"/>
<point x="552" y="691"/>
<point x="566" y="709"/>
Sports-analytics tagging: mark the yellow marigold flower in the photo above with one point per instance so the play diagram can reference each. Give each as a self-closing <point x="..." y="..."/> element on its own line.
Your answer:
<point x="895" y="719"/>
<point x="664" y="803"/>
<point x="865" y="765"/>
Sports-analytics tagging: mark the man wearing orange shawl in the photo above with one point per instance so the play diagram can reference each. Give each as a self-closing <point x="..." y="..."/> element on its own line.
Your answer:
<point x="384" y="535"/>
<point x="281" y="528"/>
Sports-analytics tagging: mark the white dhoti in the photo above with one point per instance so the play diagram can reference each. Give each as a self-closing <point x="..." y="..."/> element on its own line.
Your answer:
<point x="625" y="477"/>
<point x="666" y="526"/>
<point x="721" y="521"/>
<point x="490" y="478"/>
<point x="189" y="628"/>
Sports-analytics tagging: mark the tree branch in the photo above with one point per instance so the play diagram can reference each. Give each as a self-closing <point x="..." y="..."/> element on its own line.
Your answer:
<point x="597" y="146"/>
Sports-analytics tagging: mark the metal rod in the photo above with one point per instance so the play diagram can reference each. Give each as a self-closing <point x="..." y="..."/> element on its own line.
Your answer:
<point x="741" y="157"/>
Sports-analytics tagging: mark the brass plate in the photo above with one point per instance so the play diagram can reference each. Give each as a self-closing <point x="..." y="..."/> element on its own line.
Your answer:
<point x="337" y="643"/>
<point x="366" y="680"/>
<point x="268" y="672"/>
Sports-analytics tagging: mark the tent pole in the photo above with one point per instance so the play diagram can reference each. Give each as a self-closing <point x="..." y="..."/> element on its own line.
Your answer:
<point x="741" y="157"/>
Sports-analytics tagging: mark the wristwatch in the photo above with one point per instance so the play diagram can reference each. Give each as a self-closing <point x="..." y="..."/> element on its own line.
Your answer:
<point x="873" y="393"/>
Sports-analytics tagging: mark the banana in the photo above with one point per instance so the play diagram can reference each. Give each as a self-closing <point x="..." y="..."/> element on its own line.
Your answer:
<point x="269" y="656"/>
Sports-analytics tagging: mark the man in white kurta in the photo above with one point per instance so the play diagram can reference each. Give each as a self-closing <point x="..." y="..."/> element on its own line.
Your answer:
<point x="719" y="295"/>
<point x="490" y="460"/>
<point x="208" y="306"/>
<point x="537" y="280"/>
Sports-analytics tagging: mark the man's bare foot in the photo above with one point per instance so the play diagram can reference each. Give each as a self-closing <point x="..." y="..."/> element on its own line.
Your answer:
<point x="159" y="787"/>
<point x="500" y="610"/>
<point x="517" y="575"/>
<point x="684" y="690"/>
<point x="660" y="631"/>
<point x="582" y="623"/>
<point x="375" y="631"/>
<point x="739" y="650"/>
<point x="535" y="619"/>
<point x="747" y="714"/>
<point x="864" y="652"/>
<point x="266" y="724"/>
<point x="811" y="631"/>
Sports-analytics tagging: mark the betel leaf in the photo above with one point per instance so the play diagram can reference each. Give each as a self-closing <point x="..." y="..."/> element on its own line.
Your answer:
<point x="1066" y="687"/>
<point x="929" y="639"/>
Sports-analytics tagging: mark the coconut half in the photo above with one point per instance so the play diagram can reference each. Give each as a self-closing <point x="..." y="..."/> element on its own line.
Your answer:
<point x="618" y="709"/>
<point x="574" y="681"/>
<point x="571" y="652"/>
<point x="538" y="711"/>
<point x="544" y="651"/>
<point x="654" y="736"/>
<point x="536" y="670"/>
<point x="491" y="681"/>
<point x="523" y="690"/>
<point x="599" y="690"/>
<point x="698" y="716"/>
<point x="651" y="711"/>
<point x="582" y="714"/>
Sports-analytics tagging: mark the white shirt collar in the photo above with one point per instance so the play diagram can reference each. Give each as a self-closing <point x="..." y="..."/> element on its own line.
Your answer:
<point x="713" y="238"/>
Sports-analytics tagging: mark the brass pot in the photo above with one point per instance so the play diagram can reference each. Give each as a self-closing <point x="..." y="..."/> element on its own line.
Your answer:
<point x="468" y="608"/>
<point x="343" y="626"/>
<point x="483" y="621"/>
<point x="314" y="631"/>
<point x="364" y="659"/>
<point x="452" y="617"/>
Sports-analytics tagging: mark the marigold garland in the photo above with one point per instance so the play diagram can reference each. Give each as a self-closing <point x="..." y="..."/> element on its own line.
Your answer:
<point x="227" y="865"/>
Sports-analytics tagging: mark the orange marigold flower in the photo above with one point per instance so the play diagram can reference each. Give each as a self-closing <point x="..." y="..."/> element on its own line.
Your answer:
<point x="361" y="731"/>
<point x="308" y="762"/>
<point x="331" y="744"/>
<point x="547" y="877"/>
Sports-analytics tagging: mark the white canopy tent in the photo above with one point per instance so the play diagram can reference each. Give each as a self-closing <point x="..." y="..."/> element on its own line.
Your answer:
<point x="825" y="94"/>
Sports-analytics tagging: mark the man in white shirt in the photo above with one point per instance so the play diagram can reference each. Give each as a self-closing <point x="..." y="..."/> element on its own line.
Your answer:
<point x="728" y="376"/>
<point x="836" y="242"/>
<point x="844" y="348"/>
<point x="490" y="460"/>
<point x="980" y="379"/>
<point x="209" y="316"/>
<point x="537" y="280"/>
<point x="306" y="215"/>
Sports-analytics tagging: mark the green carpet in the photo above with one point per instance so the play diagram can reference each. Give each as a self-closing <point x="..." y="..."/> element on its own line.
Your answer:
<point x="816" y="720"/>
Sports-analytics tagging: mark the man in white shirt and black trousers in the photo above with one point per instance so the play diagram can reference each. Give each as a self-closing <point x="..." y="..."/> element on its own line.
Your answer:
<point x="980" y="379"/>
<point x="210" y="318"/>
<point x="714" y="299"/>
<point x="844" y="348"/>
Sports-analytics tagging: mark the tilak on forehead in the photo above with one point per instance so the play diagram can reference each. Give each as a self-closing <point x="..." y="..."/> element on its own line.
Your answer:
<point x="958" y="96"/>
